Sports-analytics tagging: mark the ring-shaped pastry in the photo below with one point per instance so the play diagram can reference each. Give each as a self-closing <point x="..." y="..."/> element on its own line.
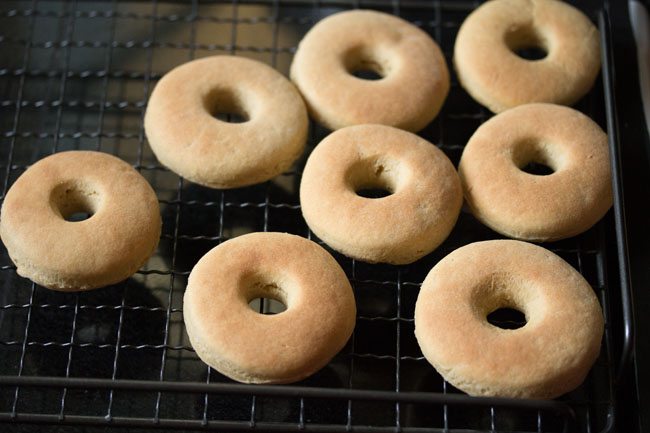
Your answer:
<point x="419" y="213"/>
<point x="120" y="234"/>
<point x="414" y="76"/>
<point x="537" y="207"/>
<point x="495" y="75"/>
<point x="547" y="357"/>
<point x="186" y="137"/>
<point x="255" y="348"/>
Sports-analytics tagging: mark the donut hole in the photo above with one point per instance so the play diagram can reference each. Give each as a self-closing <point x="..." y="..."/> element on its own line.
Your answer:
<point x="78" y="216"/>
<point x="372" y="178"/>
<point x="226" y="106"/>
<point x="531" y="157"/>
<point x="267" y="305"/>
<point x="75" y="201"/>
<point x="537" y="169"/>
<point x="365" y="64"/>
<point x="367" y="74"/>
<point x="373" y="192"/>
<point x="507" y="318"/>
<point x="531" y="53"/>
<point x="265" y="296"/>
<point x="527" y="43"/>
<point x="500" y="300"/>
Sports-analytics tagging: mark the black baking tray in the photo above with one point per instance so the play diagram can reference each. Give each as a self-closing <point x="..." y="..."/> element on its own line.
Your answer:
<point x="77" y="75"/>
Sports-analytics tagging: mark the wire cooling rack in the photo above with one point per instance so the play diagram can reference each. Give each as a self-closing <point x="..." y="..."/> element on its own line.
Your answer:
<point x="77" y="75"/>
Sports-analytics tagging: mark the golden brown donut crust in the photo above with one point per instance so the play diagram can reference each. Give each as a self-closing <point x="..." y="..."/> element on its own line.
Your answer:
<point x="104" y="249"/>
<point x="255" y="348"/>
<point x="531" y="207"/>
<point x="186" y="137"/>
<point x="495" y="76"/>
<point x="415" y="79"/>
<point x="547" y="357"/>
<point x="399" y="228"/>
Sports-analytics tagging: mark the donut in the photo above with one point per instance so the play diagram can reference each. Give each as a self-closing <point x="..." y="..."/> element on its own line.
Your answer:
<point x="489" y="68"/>
<point x="187" y="138"/>
<point x="113" y="243"/>
<point x="414" y="77"/>
<point x="547" y="357"/>
<point x="418" y="215"/>
<point x="537" y="207"/>
<point x="255" y="348"/>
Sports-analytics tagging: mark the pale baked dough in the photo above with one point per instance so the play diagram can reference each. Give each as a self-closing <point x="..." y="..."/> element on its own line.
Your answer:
<point x="536" y="207"/>
<point x="255" y="348"/>
<point x="491" y="72"/>
<point x="106" y="248"/>
<point x="186" y="137"/>
<point x="415" y="79"/>
<point x="547" y="357"/>
<point x="412" y="221"/>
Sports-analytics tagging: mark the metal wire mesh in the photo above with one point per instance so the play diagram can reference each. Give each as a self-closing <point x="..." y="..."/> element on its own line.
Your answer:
<point x="77" y="75"/>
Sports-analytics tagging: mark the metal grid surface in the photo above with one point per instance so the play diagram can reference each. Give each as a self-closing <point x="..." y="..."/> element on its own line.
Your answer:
<point x="77" y="75"/>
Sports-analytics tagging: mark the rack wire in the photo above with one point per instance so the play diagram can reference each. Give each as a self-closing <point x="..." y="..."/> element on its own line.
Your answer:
<point x="77" y="75"/>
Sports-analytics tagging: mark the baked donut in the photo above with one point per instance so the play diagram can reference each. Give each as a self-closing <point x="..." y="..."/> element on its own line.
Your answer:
<point x="422" y="208"/>
<point x="414" y="77"/>
<point x="186" y="137"/>
<point x="119" y="236"/>
<point x="547" y="357"/>
<point x="255" y="348"/>
<point x="489" y="68"/>
<point x="537" y="207"/>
